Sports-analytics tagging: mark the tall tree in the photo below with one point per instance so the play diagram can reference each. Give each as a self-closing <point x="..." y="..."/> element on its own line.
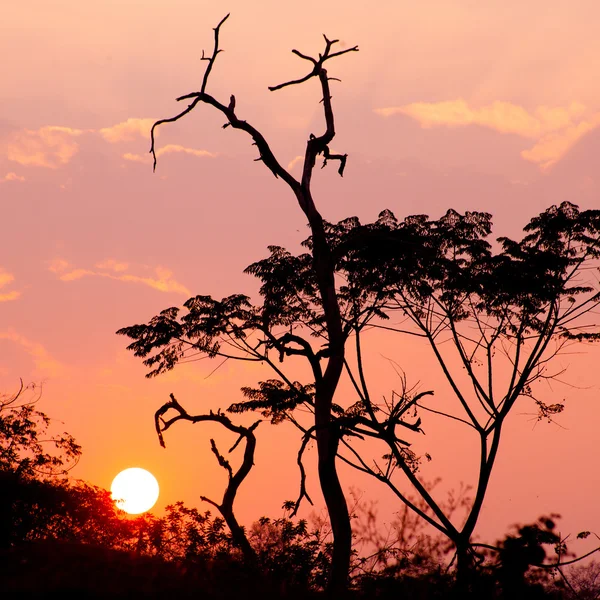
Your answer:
<point x="499" y="314"/>
<point x="327" y="378"/>
<point x="441" y="277"/>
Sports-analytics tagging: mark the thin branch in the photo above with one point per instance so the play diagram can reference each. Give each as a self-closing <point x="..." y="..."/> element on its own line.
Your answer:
<point x="442" y="363"/>
<point x="303" y="493"/>
<point x="366" y="469"/>
<point x="327" y="155"/>
<point x="223" y="462"/>
<point x="317" y="64"/>
<point x="363" y="381"/>
<point x="211" y="61"/>
<point x="234" y="479"/>
<point x="443" y="414"/>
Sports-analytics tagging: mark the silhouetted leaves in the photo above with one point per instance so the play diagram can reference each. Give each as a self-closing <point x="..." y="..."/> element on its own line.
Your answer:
<point x="512" y="302"/>
<point x="274" y="398"/>
<point x="438" y="273"/>
<point x="27" y="446"/>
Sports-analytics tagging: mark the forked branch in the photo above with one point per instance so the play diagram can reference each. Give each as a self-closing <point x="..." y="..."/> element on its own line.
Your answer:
<point x="234" y="479"/>
<point x="317" y="63"/>
<point x="316" y="144"/>
<point x="216" y="50"/>
<point x="303" y="492"/>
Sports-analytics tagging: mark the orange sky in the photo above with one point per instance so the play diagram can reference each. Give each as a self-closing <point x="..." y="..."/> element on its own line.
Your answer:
<point x="489" y="106"/>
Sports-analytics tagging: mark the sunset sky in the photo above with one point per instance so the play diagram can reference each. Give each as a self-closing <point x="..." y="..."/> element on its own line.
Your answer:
<point x="491" y="106"/>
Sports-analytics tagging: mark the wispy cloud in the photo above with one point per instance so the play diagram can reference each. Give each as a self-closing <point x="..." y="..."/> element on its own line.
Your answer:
<point x="48" y="147"/>
<point x="113" y="265"/>
<point x="553" y="146"/>
<point x="6" y="279"/>
<point x="295" y="161"/>
<point x="555" y="129"/>
<point x="58" y="265"/>
<point x="501" y="116"/>
<point x="53" y="146"/>
<point x="45" y="364"/>
<point x="161" y="278"/>
<point x="12" y="177"/>
<point x="169" y="149"/>
<point x="127" y="131"/>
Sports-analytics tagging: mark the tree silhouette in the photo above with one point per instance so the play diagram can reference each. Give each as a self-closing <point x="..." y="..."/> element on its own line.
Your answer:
<point x="321" y="263"/>
<point x="29" y="455"/>
<point x="505" y="313"/>
<point x="498" y="316"/>
<point x="26" y="448"/>
<point x="234" y="479"/>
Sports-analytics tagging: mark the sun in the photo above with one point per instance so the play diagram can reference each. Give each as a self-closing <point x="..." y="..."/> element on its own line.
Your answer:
<point x="134" y="490"/>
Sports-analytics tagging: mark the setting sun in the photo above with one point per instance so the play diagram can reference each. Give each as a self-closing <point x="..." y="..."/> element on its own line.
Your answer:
<point x="135" y="490"/>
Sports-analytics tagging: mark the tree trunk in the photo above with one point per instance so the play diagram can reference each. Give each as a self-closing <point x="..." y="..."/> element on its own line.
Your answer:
<point x="9" y="485"/>
<point x="327" y="442"/>
<point x="327" y="437"/>
<point x="464" y="569"/>
<point x="327" y="433"/>
<point x="239" y="536"/>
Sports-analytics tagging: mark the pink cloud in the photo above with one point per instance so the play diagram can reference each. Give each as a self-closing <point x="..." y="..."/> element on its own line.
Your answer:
<point x="49" y="147"/>
<point x="52" y="146"/>
<point x="8" y="296"/>
<point x="6" y="279"/>
<point x="295" y="161"/>
<point x="554" y="129"/>
<point x="162" y="279"/>
<point x="45" y="364"/>
<point x="12" y="177"/>
<point x="57" y="265"/>
<point x="139" y="158"/>
<point x="113" y="265"/>
<point x="127" y="131"/>
<point x="553" y="146"/>
<point x="169" y="149"/>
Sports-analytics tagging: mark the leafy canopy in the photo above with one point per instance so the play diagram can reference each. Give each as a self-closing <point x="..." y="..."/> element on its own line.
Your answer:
<point x="437" y="273"/>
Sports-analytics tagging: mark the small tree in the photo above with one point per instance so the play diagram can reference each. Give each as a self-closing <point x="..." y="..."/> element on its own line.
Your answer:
<point x="27" y="450"/>
<point x="234" y="479"/>
<point x="29" y="454"/>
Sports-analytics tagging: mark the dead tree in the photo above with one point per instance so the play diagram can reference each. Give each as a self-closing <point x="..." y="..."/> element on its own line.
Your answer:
<point x="234" y="479"/>
<point x="324" y="268"/>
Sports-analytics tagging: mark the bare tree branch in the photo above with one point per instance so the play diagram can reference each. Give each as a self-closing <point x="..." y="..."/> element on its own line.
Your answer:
<point x="318" y="64"/>
<point x="234" y="479"/>
<point x="303" y="493"/>
<point x="216" y="50"/>
<point x="223" y="462"/>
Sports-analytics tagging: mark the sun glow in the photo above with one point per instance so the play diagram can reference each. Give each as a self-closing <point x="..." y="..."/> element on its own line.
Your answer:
<point x="134" y="490"/>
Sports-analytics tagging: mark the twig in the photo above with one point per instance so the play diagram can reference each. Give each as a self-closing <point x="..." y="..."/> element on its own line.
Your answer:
<point x="303" y="493"/>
